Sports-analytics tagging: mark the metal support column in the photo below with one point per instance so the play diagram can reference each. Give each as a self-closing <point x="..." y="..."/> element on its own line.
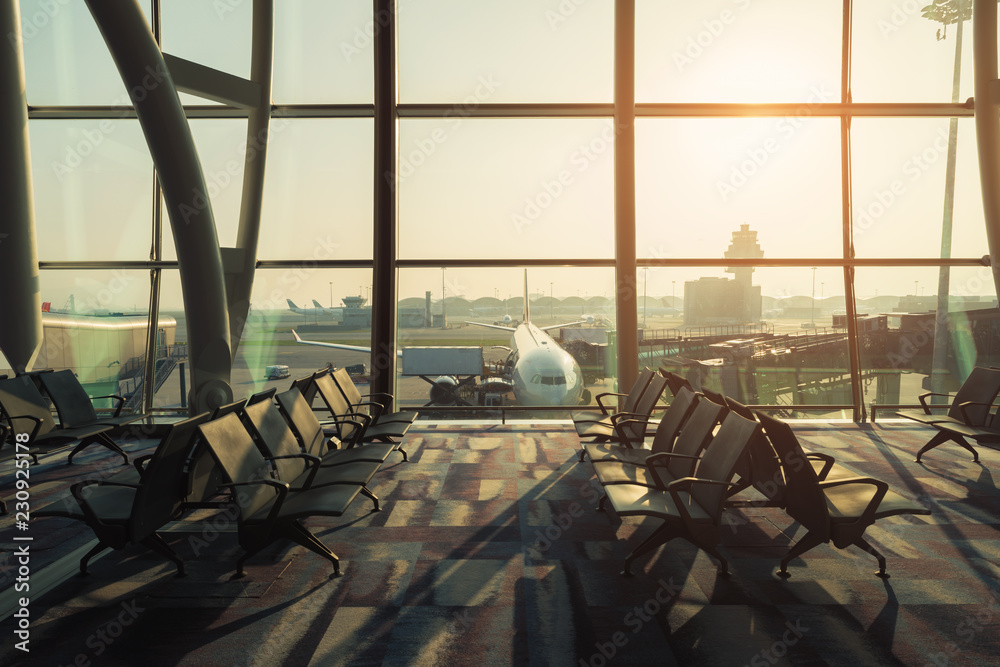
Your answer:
<point x="625" y="235"/>
<point x="987" y="92"/>
<point x="240" y="281"/>
<point x="386" y="137"/>
<point x="171" y="145"/>
<point x="20" y="298"/>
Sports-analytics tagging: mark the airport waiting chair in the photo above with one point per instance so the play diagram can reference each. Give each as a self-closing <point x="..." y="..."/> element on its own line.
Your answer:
<point x="628" y="403"/>
<point x="987" y="435"/>
<point x="269" y="510"/>
<point x="377" y="404"/>
<point x="690" y="507"/>
<point x="294" y="466"/>
<point x="970" y="406"/>
<point x="839" y="510"/>
<point x="352" y="426"/>
<point x="313" y="439"/>
<point x="671" y="460"/>
<point x="76" y="408"/>
<point x="123" y="513"/>
<point x="675" y="382"/>
<point x="761" y="467"/>
<point x="615" y="428"/>
<point x="670" y="425"/>
<point x="23" y="409"/>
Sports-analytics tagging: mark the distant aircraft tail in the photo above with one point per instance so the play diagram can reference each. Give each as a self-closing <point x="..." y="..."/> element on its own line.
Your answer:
<point x="291" y="305"/>
<point x="316" y="303"/>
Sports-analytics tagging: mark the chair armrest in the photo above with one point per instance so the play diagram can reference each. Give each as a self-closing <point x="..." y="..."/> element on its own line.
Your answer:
<point x="34" y="431"/>
<point x="282" y="490"/>
<point x="619" y="427"/>
<point x="376" y="409"/>
<point x="827" y="460"/>
<point x="881" y="488"/>
<point x="655" y="459"/>
<point x="140" y="462"/>
<point x="963" y="410"/>
<point x="120" y="399"/>
<point x="77" y="491"/>
<point x="601" y="402"/>
<point x="923" y="400"/>
<point x="311" y="460"/>
<point x="678" y="485"/>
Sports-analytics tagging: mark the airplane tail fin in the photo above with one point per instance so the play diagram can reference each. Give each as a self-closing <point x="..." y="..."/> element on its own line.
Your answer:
<point x="291" y="304"/>
<point x="316" y="303"/>
<point x="524" y="316"/>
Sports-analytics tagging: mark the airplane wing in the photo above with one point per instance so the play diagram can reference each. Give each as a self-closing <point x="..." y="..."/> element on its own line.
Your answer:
<point x="560" y="326"/>
<point x="492" y="326"/>
<point x="338" y="346"/>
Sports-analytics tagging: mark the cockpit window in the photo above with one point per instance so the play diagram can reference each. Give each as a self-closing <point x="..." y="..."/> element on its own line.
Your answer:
<point x="550" y="380"/>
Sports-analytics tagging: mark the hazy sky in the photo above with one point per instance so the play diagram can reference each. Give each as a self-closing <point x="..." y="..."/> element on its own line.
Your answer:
<point x="502" y="188"/>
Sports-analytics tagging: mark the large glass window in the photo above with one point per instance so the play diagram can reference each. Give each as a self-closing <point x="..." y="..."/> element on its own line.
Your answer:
<point x="506" y="188"/>
<point x="505" y="51"/>
<point x="506" y="155"/>
<point x="93" y="181"/>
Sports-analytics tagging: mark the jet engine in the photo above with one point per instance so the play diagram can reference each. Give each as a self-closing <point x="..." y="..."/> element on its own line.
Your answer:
<point x="444" y="390"/>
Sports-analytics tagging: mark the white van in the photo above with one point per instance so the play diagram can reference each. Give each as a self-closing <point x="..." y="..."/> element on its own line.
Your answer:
<point x="277" y="372"/>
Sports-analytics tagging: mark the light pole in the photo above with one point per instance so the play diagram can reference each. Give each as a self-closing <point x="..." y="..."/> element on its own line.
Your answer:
<point x="812" y="318"/>
<point x="673" y="298"/>
<point x="550" y="300"/>
<point x="331" y="294"/>
<point x="645" y="279"/>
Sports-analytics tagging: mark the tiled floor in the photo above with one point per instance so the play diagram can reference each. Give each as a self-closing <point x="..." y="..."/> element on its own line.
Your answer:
<point x="488" y="551"/>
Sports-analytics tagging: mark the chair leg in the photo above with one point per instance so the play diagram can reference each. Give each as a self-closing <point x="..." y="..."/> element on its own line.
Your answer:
<point x="860" y="542"/>
<point x="100" y="439"/>
<point x="98" y="548"/>
<point x="296" y="532"/>
<point x="156" y="543"/>
<point x="3" y="506"/>
<point x="661" y="535"/>
<point x="402" y="451"/>
<point x="943" y="437"/>
<point x="602" y="503"/>
<point x="367" y="492"/>
<point x="810" y="540"/>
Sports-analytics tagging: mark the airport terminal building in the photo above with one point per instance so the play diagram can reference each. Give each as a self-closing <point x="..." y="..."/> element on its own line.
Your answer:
<point x="512" y="220"/>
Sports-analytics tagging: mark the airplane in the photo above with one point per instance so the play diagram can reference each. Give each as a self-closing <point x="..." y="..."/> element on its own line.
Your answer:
<point x="537" y="369"/>
<point x="318" y="310"/>
<point x="337" y="312"/>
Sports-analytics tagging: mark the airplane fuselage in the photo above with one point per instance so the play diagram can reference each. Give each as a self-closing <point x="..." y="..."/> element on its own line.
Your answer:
<point x="543" y="373"/>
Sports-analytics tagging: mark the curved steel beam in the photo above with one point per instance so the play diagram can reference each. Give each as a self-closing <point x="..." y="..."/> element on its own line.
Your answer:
<point x="984" y="53"/>
<point x="20" y="299"/>
<point x="171" y="145"/>
<point x="240" y="281"/>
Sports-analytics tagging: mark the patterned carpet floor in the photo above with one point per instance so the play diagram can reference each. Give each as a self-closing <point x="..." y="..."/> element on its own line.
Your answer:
<point x="488" y="551"/>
